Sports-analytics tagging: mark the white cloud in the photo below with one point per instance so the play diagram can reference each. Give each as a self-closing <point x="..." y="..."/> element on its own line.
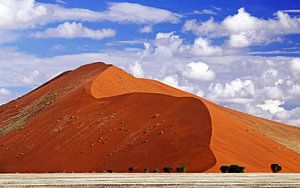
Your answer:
<point x="272" y="106"/>
<point x="203" y="47"/>
<point x="291" y="11"/>
<point x="146" y="29"/>
<point x="74" y="30"/>
<point x="172" y="80"/>
<point x="207" y="28"/>
<point x="235" y="88"/>
<point x="273" y="92"/>
<point x="6" y="95"/>
<point x="295" y="65"/>
<point x="21" y="14"/>
<point x="132" y="12"/>
<point x="170" y="44"/>
<point x="4" y="91"/>
<point x="167" y="44"/>
<point x="61" y="2"/>
<point x="136" y="70"/>
<point x="199" y="71"/>
<point x="29" y="78"/>
<point x="205" y="11"/>
<point x="243" y="29"/>
<point x="294" y="89"/>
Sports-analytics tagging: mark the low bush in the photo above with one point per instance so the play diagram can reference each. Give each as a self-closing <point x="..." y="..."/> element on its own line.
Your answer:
<point x="131" y="169"/>
<point x="167" y="169"/>
<point x="146" y="170"/>
<point x="181" y="168"/>
<point x="232" y="169"/>
<point x="156" y="170"/>
<point x="224" y="169"/>
<point x="275" y="168"/>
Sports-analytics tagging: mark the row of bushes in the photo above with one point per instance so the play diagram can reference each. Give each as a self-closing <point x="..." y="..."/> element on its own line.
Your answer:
<point x="181" y="168"/>
<point x="224" y="169"/>
<point x="240" y="169"/>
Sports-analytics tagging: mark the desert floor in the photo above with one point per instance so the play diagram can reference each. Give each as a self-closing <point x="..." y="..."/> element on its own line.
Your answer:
<point x="150" y="180"/>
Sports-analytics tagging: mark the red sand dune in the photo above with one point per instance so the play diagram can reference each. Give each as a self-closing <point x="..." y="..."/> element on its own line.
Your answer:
<point x="99" y="117"/>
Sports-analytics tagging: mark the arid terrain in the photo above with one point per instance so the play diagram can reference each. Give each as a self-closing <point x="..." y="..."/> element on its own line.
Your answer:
<point x="136" y="180"/>
<point x="98" y="117"/>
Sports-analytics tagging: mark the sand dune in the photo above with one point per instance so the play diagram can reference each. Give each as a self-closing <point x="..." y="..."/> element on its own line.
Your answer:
<point x="98" y="117"/>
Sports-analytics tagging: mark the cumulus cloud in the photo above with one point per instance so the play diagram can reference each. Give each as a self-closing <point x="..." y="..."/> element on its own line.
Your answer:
<point x="243" y="29"/>
<point x="20" y="14"/>
<point x="74" y="30"/>
<point x="172" y="80"/>
<point x="199" y="71"/>
<point x="170" y="44"/>
<point x="272" y="105"/>
<point x="295" y="65"/>
<point x="236" y="90"/>
<point x="167" y="44"/>
<point x="5" y="95"/>
<point x="294" y="89"/>
<point x="207" y="28"/>
<point x="203" y="47"/>
<point x="136" y="69"/>
<point x="4" y="91"/>
<point x="273" y="92"/>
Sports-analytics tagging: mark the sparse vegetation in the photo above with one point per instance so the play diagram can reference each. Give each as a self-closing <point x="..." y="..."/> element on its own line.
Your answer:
<point x="167" y="169"/>
<point x="181" y="168"/>
<point x="146" y="170"/>
<point x="156" y="170"/>
<point x="224" y="169"/>
<point x="131" y="169"/>
<point x="232" y="169"/>
<point x="275" y="168"/>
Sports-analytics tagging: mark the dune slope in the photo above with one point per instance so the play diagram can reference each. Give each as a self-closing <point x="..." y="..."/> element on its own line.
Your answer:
<point x="99" y="117"/>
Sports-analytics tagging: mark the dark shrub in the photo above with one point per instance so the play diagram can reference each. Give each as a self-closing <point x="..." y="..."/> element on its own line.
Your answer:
<point x="156" y="170"/>
<point x="224" y="169"/>
<point x="232" y="169"/>
<point x="181" y="168"/>
<point x="236" y="169"/>
<point x="146" y="170"/>
<point x="167" y="169"/>
<point x="275" y="168"/>
<point x="109" y="171"/>
<point x="131" y="169"/>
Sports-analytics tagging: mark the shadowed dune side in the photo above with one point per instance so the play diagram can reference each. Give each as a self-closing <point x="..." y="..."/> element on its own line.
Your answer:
<point x="112" y="133"/>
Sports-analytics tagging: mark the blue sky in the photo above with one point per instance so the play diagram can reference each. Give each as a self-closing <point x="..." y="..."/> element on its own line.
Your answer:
<point x="240" y="54"/>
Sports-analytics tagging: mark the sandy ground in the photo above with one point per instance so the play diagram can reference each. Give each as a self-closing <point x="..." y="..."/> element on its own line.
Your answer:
<point x="150" y="180"/>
